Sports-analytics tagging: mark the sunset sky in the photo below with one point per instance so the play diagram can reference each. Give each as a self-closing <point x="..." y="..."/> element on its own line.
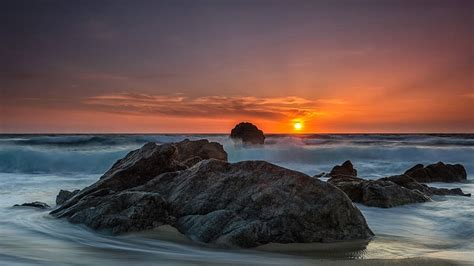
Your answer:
<point x="202" y="66"/>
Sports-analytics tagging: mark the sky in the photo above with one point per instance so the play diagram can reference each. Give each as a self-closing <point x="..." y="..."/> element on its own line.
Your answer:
<point x="202" y="66"/>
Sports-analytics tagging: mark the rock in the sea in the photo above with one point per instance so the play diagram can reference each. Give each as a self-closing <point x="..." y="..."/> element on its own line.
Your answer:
<point x="65" y="195"/>
<point x="410" y="183"/>
<point x="248" y="133"/>
<point x="438" y="172"/>
<point x="243" y="204"/>
<point x="377" y="193"/>
<point x="346" y="169"/>
<point x="139" y="166"/>
<point x="34" y="204"/>
<point x="390" y="191"/>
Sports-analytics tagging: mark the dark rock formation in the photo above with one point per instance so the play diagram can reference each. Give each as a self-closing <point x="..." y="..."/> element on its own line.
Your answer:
<point x="244" y="204"/>
<point x="139" y="166"/>
<point x="438" y="172"/>
<point x="248" y="133"/>
<point x="34" y="204"/>
<point x="346" y="169"/>
<point x="65" y="195"/>
<point x="410" y="183"/>
<point x="377" y="193"/>
<point x="390" y="191"/>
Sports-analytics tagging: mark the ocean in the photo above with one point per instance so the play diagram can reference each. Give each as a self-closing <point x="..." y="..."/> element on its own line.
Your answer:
<point x="36" y="167"/>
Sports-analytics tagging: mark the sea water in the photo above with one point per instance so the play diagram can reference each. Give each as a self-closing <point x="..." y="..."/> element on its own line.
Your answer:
<point x="36" y="167"/>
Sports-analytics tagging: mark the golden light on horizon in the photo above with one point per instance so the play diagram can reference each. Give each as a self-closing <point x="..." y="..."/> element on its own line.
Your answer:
<point x="298" y="125"/>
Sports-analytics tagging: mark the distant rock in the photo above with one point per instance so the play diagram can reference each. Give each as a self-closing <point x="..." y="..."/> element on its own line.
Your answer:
<point x="243" y="204"/>
<point x="65" y="195"/>
<point x="248" y="133"/>
<point x="389" y="191"/>
<point x="319" y="175"/>
<point x="438" y="172"/>
<point x="34" y="204"/>
<point x="346" y="169"/>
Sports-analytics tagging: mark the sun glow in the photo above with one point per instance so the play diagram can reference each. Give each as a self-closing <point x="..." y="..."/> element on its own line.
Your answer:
<point x="298" y="125"/>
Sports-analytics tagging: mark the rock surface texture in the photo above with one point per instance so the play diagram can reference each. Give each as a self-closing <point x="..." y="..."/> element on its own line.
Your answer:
<point x="248" y="133"/>
<point x="438" y="172"/>
<point x="243" y="204"/>
<point x="387" y="192"/>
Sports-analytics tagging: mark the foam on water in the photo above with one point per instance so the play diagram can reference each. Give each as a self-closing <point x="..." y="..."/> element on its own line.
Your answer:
<point x="36" y="167"/>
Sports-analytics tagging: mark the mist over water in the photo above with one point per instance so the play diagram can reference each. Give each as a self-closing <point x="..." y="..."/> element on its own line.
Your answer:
<point x="36" y="167"/>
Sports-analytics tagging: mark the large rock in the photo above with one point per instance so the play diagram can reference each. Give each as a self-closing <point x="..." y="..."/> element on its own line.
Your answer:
<point x="390" y="191"/>
<point x="139" y="166"/>
<point x="244" y="204"/>
<point x="438" y="172"/>
<point x="248" y="133"/>
<point x="346" y="169"/>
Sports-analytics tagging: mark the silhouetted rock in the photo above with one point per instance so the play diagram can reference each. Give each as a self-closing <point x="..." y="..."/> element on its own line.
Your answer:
<point x="34" y="204"/>
<point x="438" y="172"/>
<point x="248" y="133"/>
<point x="346" y="169"/>
<point x="319" y="175"/>
<point x="65" y="195"/>
<point x="410" y="183"/>
<point x="243" y="204"/>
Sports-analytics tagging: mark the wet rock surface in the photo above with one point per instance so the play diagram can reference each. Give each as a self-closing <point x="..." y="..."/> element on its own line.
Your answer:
<point x="65" y="195"/>
<point x="438" y="172"/>
<point x="387" y="192"/>
<point x="248" y="133"/>
<point x="243" y="204"/>
<point x="34" y="204"/>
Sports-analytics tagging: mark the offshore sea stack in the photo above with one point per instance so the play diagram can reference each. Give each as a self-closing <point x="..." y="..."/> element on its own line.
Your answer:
<point x="248" y="133"/>
<point x="191" y="186"/>
<point x="385" y="192"/>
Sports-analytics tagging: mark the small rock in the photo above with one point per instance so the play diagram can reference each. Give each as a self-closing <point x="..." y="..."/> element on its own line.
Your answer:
<point x="248" y="133"/>
<point x="65" y="195"/>
<point x="319" y="175"/>
<point x="346" y="169"/>
<point x="34" y="204"/>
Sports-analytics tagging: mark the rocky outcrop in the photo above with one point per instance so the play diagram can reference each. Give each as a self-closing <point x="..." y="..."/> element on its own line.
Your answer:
<point x="390" y="191"/>
<point x="248" y="133"/>
<point x="34" y="204"/>
<point x="139" y="166"/>
<point x="346" y="169"/>
<point x="438" y="172"/>
<point x="377" y="193"/>
<point x="65" y="195"/>
<point x="243" y="204"/>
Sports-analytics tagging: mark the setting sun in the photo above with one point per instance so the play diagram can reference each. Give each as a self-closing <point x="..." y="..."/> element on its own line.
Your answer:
<point x="297" y="125"/>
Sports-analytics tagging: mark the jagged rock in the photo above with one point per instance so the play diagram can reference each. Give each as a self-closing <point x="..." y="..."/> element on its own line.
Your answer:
<point x="243" y="204"/>
<point x="410" y="183"/>
<point x="139" y="166"/>
<point x="438" y="172"/>
<point x="390" y="191"/>
<point x="346" y="169"/>
<point x="65" y="195"/>
<point x="377" y="193"/>
<point x="248" y="133"/>
<point x="34" y="204"/>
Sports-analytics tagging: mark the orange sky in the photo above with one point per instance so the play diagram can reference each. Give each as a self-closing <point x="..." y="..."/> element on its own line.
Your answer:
<point x="338" y="67"/>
